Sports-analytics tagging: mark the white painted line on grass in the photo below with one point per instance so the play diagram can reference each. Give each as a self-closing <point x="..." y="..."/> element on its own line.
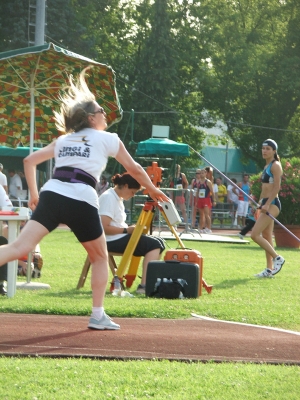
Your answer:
<point x="241" y="323"/>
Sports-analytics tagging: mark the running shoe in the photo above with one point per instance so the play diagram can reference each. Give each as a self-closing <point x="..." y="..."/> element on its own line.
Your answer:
<point x="209" y="231"/>
<point x="141" y="289"/>
<point x="277" y="264"/>
<point x="103" y="323"/>
<point x="240" y="236"/>
<point x="266" y="273"/>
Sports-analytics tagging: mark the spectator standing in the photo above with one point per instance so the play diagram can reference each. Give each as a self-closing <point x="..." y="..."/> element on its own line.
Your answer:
<point x="4" y="201"/>
<point x="209" y="174"/>
<point x="23" y="179"/>
<point x="210" y="177"/>
<point x="222" y="191"/>
<point x="243" y="202"/>
<point x="232" y="199"/>
<point x="3" y="179"/>
<point x="15" y="184"/>
<point x="221" y="197"/>
<point x="102" y="186"/>
<point x="180" y="182"/>
<point x="203" y="193"/>
<point x="194" y="186"/>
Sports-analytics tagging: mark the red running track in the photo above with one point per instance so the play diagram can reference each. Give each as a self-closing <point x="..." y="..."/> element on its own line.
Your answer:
<point x="192" y="339"/>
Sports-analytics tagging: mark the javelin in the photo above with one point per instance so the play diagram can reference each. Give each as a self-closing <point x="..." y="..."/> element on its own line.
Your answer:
<point x="244" y="193"/>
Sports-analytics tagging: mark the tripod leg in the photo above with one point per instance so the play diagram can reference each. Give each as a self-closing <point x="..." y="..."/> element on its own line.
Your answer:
<point x="142" y="226"/>
<point x="132" y="271"/>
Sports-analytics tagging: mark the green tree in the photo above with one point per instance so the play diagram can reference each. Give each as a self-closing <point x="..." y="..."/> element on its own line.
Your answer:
<point x="186" y="64"/>
<point x="163" y="95"/>
<point x="13" y="24"/>
<point x="156" y="74"/>
<point x="65" y="29"/>
<point x="61" y="25"/>
<point x="251" y="80"/>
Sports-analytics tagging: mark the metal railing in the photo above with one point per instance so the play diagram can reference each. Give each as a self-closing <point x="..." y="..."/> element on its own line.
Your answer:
<point x="222" y="215"/>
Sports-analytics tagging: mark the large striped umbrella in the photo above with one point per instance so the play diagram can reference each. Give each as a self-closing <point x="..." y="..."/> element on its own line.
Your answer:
<point x="30" y="82"/>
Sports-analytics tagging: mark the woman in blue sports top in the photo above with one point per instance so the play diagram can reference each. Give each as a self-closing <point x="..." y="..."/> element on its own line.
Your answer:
<point x="81" y="154"/>
<point x="270" y="203"/>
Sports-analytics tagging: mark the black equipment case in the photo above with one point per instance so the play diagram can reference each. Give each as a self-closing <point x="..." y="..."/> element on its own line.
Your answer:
<point x="187" y="256"/>
<point x="176" y="270"/>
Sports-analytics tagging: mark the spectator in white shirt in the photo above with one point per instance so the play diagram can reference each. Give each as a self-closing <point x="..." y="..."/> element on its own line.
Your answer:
<point x="15" y="183"/>
<point x="3" y="179"/>
<point x="4" y="201"/>
<point x="102" y="186"/>
<point x="233" y="199"/>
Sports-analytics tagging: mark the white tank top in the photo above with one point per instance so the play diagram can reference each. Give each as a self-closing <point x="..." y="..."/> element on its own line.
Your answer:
<point x="88" y="150"/>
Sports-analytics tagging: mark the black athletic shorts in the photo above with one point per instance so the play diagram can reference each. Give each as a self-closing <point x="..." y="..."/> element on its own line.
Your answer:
<point x="82" y="218"/>
<point x="145" y="244"/>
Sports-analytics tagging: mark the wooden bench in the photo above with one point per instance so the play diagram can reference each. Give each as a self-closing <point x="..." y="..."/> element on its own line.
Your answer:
<point x="221" y="213"/>
<point x="87" y="264"/>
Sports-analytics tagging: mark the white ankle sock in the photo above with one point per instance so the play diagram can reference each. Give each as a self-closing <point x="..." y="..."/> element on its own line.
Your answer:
<point x="97" y="312"/>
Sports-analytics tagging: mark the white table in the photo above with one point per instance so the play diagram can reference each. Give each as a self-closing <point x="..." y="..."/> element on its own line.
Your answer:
<point x="13" y="230"/>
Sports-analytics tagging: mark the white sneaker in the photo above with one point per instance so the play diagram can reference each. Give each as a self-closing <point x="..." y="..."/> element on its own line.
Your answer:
<point x="266" y="273"/>
<point x="277" y="264"/>
<point x="240" y="236"/>
<point x="103" y="323"/>
<point x="141" y="289"/>
<point x="116" y="292"/>
<point x="126" y="294"/>
<point x="208" y="231"/>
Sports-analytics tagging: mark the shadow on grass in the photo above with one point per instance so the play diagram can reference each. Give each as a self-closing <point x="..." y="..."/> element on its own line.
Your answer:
<point x="72" y="293"/>
<point x="75" y="294"/>
<point x="239" y="247"/>
<point x="41" y="339"/>
<point x="230" y="283"/>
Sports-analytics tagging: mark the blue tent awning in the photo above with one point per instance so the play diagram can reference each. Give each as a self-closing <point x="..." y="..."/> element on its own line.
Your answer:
<point x="164" y="147"/>
<point x="15" y="152"/>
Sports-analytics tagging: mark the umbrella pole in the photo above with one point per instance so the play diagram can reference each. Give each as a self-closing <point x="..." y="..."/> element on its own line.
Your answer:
<point x="32" y="114"/>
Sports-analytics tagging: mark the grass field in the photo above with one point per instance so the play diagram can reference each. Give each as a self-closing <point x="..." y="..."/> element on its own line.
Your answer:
<point x="237" y="296"/>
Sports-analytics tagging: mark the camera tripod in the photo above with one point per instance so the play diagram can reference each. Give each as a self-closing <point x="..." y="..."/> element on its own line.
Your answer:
<point x="143" y="226"/>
